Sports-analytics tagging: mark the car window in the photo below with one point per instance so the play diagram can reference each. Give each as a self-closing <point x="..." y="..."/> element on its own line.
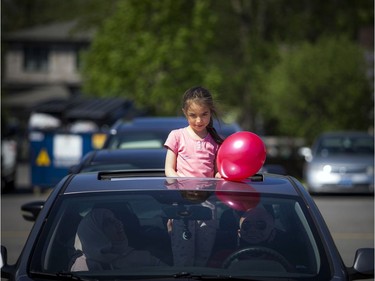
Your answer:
<point x="153" y="132"/>
<point x="346" y="145"/>
<point x="141" y="144"/>
<point x="172" y="231"/>
<point x="137" y="139"/>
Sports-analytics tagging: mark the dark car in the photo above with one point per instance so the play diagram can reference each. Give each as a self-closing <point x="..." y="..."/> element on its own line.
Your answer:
<point x="340" y="162"/>
<point x="8" y="164"/>
<point x="137" y="158"/>
<point x="151" y="132"/>
<point x="274" y="169"/>
<point x="9" y="154"/>
<point x="140" y="225"/>
<point x="121" y="159"/>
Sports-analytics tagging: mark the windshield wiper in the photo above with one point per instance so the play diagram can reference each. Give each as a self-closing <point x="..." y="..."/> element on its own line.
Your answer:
<point x="183" y="275"/>
<point x="195" y="276"/>
<point x="62" y="276"/>
<point x="73" y="276"/>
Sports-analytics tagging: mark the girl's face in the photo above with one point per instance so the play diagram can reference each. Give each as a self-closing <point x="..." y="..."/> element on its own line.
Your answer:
<point x="198" y="116"/>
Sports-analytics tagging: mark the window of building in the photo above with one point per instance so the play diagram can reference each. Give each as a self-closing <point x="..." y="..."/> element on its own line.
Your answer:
<point x="36" y="59"/>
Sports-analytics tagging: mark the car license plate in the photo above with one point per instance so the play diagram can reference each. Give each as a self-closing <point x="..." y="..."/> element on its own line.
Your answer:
<point x="346" y="182"/>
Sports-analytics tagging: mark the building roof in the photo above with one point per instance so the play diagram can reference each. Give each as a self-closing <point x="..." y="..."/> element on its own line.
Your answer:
<point x="29" y="99"/>
<point x="100" y="110"/>
<point x="62" y="31"/>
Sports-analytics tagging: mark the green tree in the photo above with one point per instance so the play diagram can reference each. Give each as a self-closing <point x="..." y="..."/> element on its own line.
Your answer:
<point x="151" y="51"/>
<point x="254" y="30"/>
<point x="319" y="87"/>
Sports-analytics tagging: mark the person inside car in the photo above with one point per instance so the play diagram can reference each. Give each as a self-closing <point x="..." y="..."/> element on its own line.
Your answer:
<point x="256" y="227"/>
<point x="261" y="238"/>
<point x="192" y="240"/>
<point x="256" y="232"/>
<point x="102" y="244"/>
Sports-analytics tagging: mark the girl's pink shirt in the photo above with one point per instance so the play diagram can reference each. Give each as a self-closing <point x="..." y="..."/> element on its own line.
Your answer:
<point x="195" y="158"/>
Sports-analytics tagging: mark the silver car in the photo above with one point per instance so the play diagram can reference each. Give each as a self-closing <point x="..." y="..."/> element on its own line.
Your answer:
<point x="340" y="162"/>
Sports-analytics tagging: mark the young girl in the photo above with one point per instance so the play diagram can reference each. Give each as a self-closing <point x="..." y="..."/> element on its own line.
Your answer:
<point x="192" y="150"/>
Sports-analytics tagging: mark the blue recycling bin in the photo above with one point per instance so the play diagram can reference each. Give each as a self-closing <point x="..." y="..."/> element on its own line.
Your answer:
<point x="52" y="153"/>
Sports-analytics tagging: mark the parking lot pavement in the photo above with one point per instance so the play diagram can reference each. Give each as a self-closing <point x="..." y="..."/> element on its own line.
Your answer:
<point x="23" y="178"/>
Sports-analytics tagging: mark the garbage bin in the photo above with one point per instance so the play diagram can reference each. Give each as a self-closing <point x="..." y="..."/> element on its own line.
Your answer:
<point x="52" y="153"/>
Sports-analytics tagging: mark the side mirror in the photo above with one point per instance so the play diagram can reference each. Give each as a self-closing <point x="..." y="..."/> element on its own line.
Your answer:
<point x="363" y="267"/>
<point x="33" y="209"/>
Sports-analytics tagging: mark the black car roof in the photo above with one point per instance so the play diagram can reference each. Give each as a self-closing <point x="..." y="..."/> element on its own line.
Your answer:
<point x="119" y="181"/>
<point x="150" y="122"/>
<point x="118" y="155"/>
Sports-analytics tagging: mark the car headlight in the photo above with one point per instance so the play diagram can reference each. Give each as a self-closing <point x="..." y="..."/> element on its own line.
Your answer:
<point x="327" y="169"/>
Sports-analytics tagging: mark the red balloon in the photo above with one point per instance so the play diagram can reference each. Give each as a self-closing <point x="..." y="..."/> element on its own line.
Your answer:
<point x="240" y="156"/>
<point x="227" y="192"/>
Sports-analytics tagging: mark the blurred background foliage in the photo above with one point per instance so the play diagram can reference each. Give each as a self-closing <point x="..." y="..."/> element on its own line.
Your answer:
<point x="324" y="85"/>
<point x="278" y="67"/>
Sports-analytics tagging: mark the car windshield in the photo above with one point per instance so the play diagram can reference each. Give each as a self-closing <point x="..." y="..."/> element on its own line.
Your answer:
<point x="153" y="132"/>
<point x="176" y="232"/>
<point x="345" y="145"/>
<point x="139" y="139"/>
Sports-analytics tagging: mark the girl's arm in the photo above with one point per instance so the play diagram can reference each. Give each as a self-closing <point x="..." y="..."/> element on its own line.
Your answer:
<point x="170" y="164"/>
<point x="216" y="172"/>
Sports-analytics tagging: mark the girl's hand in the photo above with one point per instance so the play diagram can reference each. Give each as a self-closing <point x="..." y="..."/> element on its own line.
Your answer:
<point x="217" y="175"/>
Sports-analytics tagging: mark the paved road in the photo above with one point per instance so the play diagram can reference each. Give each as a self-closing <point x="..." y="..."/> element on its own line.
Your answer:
<point x="350" y="219"/>
<point x="351" y="222"/>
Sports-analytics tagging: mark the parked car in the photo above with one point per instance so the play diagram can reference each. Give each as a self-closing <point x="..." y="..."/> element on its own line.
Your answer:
<point x="140" y="225"/>
<point x="151" y="132"/>
<point x="273" y="169"/>
<point x="340" y="162"/>
<point x="9" y="152"/>
<point x="8" y="164"/>
<point x="121" y="159"/>
<point x="138" y="158"/>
